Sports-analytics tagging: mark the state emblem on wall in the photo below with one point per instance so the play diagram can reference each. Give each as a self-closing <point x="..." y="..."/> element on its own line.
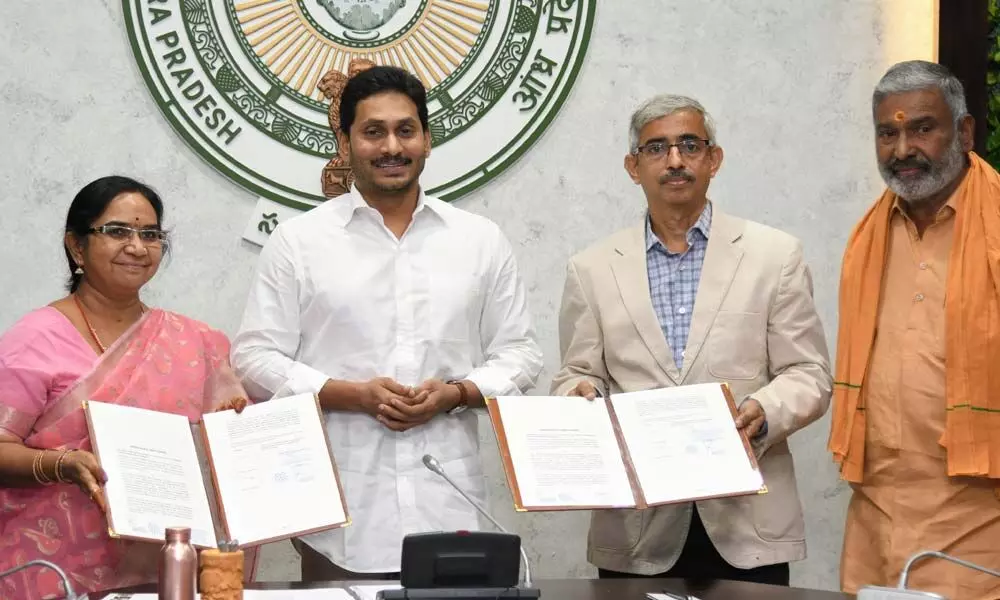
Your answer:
<point x="247" y="83"/>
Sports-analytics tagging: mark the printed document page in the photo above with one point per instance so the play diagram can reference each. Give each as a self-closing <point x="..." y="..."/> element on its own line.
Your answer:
<point x="311" y="594"/>
<point x="274" y="471"/>
<point x="684" y="444"/>
<point x="564" y="452"/>
<point x="154" y="478"/>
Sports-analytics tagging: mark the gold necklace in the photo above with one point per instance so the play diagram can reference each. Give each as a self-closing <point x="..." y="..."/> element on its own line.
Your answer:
<point x="93" y="332"/>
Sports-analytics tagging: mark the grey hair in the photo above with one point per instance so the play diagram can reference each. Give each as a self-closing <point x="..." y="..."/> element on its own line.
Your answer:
<point x="914" y="75"/>
<point x="661" y="106"/>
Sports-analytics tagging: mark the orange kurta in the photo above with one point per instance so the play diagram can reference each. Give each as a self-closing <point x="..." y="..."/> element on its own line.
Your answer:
<point x="907" y="502"/>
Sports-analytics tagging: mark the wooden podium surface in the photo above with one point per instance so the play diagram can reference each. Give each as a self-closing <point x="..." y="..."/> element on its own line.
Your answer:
<point x="606" y="589"/>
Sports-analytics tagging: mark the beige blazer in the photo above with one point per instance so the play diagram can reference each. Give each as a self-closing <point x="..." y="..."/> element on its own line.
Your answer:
<point x="754" y="326"/>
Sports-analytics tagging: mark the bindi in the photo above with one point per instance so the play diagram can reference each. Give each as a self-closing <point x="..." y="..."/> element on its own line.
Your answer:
<point x="900" y="116"/>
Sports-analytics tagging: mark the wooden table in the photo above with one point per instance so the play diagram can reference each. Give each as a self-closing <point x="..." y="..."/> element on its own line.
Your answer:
<point x="605" y="589"/>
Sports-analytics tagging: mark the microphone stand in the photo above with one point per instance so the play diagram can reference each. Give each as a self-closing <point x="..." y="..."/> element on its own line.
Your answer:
<point x="434" y="466"/>
<point x="935" y="554"/>
<point x="900" y="592"/>
<point x="70" y="594"/>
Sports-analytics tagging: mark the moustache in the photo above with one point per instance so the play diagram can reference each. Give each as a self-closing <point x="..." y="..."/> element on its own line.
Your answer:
<point x="897" y="165"/>
<point x="392" y="161"/>
<point x="677" y="174"/>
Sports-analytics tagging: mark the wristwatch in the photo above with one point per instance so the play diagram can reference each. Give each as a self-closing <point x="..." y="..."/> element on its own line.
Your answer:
<point x="463" y="398"/>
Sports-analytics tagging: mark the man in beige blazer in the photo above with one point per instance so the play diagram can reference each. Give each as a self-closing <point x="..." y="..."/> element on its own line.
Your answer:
<point x="694" y="295"/>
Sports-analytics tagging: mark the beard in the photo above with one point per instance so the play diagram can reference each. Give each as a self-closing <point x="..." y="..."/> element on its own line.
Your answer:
<point x="936" y="176"/>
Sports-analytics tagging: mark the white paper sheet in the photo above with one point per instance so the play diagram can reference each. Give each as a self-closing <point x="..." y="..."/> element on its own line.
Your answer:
<point x="564" y="452"/>
<point x="370" y="592"/>
<point x="684" y="443"/>
<point x="311" y="594"/>
<point x="273" y="469"/>
<point x="154" y="478"/>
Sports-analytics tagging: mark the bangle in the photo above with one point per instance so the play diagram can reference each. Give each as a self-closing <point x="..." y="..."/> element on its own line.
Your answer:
<point x="59" y="467"/>
<point x="34" y="465"/>
<point x="38" y="471"/>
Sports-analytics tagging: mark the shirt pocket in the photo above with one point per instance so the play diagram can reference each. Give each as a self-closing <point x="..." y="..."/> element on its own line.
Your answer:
<point x="455" y="305"/>
<point x="737" y="345"/>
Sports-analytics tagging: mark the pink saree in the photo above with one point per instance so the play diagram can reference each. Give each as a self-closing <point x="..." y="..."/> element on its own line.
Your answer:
<point x="165" y="362"/>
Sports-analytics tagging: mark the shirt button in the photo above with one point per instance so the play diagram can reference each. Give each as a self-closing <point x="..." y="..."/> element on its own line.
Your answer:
<point x="682" y="310"/>
<point x="682" y="267"/>
<point x="923" y="266"/>
<point x="919" y="297"/>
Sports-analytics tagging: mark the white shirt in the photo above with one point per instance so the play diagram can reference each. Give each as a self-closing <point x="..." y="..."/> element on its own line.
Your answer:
<point x="337" y="296"/>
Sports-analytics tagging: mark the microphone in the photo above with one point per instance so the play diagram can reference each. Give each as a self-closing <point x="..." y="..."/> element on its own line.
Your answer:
<point x="70" y="595"/>
<point x="872" y="592"/>
<point x="435" y="467"/>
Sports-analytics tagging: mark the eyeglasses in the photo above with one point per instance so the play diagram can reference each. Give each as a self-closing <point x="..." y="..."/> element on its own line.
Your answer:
<point x="122" y="233"/>
<point x="688" y="147"/>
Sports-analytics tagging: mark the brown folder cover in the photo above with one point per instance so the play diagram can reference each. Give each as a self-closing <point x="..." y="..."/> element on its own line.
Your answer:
<point x="640" y="500"/>
<point x="210" y="480"/>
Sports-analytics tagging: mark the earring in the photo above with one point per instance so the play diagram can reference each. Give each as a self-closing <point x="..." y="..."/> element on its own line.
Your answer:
<point x="78" y="271"/>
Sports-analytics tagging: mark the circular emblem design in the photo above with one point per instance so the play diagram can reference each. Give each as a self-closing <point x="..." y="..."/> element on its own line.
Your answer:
<point x="240" y="80"/>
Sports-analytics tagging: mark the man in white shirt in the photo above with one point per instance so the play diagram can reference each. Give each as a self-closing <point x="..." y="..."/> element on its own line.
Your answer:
<point x="399" y="311"/>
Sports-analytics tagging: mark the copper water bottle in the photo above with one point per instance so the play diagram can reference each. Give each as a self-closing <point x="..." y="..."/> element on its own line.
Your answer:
<point x="178" y="566"/>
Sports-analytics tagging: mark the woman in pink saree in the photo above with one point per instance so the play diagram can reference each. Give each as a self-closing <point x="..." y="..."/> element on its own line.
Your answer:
<point x="99" y="343"/>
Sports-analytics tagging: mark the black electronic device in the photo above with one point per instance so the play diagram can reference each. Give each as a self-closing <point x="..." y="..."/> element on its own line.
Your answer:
<point x="460" y="565"/>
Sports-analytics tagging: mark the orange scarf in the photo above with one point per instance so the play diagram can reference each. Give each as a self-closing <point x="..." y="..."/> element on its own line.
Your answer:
<point x="972" y="325"/>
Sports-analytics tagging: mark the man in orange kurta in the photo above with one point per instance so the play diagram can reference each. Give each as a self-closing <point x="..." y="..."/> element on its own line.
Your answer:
<point x="916" y="418"/>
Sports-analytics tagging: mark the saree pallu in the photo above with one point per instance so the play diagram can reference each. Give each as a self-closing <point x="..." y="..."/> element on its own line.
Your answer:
<point x="164" y="362"/>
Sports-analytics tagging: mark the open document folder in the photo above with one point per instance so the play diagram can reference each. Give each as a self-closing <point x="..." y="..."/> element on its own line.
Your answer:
<point x="262" y="475"/>
<point x="633" y="450"/>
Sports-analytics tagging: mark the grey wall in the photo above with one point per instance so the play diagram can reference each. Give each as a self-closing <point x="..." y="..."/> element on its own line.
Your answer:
<point x="788" y="82"/>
